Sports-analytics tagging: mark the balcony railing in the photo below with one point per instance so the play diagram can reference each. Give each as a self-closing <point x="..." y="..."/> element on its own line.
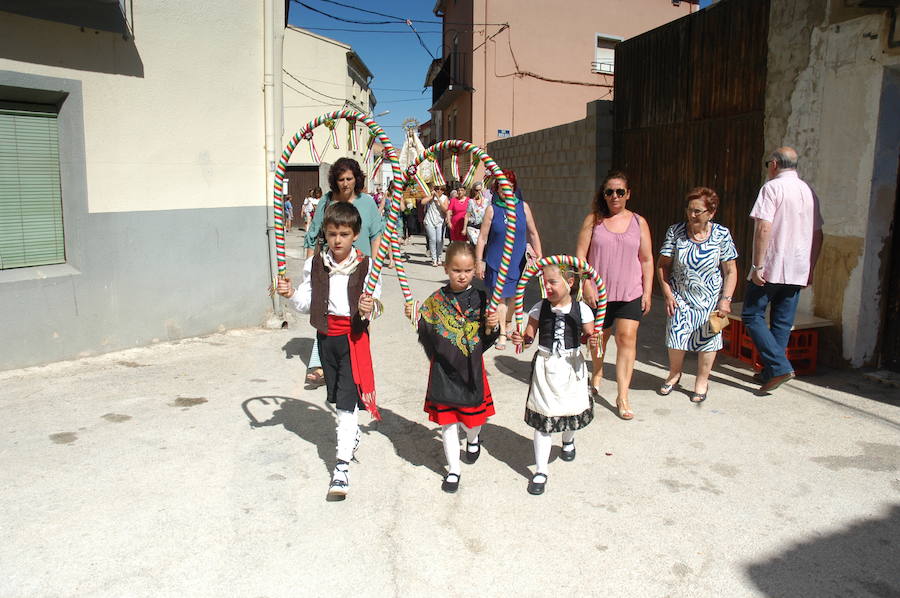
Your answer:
<point x="452" y="76"/>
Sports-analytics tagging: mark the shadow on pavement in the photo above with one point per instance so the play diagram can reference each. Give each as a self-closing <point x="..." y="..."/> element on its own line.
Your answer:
<point x="299" y="347"/>
<point x="509" y="447"/>
<point x="513" y="367"/>
<point x="415" y="443"/>
<point x="313" y="423"/>
<point x="861" y="560"/>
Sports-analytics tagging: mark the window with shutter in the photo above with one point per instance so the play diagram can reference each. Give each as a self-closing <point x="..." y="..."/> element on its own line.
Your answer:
<point x="31" y="220"/>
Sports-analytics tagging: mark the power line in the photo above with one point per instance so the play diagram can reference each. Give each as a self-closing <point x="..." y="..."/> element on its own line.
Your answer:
<point x="297" y="79"/>
<point x="392" y="89"/>
<point x="322" y="12"/>
<point x="286" y="72"/>
<point x="342" y="84"/>
<point x="371" y="12"/>
<point x="401" y="19"/>
<point x="419" y="37"/>
<point x="408" y="22"/>
<point x="380" y="102"/>
<point x="367" y="30"/>
<point x="289" y="86"/>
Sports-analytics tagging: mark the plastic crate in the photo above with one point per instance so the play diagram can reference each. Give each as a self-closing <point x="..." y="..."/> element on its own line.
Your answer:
<point x="802" y="351"/>
<point x="731" y="338"/>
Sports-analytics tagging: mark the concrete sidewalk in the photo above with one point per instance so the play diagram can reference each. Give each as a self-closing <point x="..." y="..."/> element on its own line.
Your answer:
<point x="199" y="468"/>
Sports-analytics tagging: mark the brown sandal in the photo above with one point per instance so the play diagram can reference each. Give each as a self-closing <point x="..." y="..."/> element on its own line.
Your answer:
<point x="315" y="377"/>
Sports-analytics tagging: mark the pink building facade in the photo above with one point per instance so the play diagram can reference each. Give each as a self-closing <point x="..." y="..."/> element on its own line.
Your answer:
<point x="510" y="67"/>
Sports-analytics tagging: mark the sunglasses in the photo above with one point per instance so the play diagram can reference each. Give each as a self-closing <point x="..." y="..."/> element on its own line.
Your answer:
<point x="609" y="192"/>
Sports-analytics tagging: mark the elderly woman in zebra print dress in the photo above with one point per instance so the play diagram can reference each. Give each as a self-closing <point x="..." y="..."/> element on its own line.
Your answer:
<point x="698" y="275"/>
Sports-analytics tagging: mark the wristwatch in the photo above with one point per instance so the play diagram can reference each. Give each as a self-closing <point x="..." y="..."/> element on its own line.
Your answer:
<point x="728" y="297"/>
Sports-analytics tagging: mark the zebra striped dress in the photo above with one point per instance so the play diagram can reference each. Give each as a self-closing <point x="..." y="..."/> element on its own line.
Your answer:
<point x="696" y="280"/>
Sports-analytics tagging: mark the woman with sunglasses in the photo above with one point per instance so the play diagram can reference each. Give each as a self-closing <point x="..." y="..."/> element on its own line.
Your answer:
<point x="616" y="242"/>
<point x="697" y="275"/>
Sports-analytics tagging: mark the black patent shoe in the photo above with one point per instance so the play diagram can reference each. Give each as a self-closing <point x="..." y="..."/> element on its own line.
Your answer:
<point x="537" y="484"/>
<point x="568" y="454"/>
<point x="471" y="456"/>
<point x="451" y="483"/>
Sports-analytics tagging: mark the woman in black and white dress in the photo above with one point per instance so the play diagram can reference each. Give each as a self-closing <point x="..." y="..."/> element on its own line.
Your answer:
<point x="697" y="274"/>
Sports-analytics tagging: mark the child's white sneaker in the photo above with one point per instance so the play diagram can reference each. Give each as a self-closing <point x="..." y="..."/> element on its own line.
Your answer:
<point x="340" y="482"/>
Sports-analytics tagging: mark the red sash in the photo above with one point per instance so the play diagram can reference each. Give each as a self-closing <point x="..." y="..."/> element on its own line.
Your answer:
<point x="360" y="360"/>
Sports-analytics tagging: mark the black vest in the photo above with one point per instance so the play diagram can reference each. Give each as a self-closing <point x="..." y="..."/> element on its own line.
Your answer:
<point x="318" y="308"/>
<point x="547" y="322"/>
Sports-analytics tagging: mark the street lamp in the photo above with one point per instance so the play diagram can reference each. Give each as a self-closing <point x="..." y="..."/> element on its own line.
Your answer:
<point x="381" y="114"/>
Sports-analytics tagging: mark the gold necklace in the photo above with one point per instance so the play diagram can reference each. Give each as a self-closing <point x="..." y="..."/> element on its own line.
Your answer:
<point x="694" y="237"/>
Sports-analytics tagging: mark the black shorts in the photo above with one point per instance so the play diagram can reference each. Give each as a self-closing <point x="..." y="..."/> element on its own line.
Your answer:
<point x="626" y="310"/>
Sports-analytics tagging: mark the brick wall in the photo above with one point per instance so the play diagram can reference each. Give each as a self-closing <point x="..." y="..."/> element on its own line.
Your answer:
<point x="559" y="169"/>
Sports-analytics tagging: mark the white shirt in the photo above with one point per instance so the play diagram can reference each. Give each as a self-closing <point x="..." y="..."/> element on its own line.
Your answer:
<point x="793" y="209"/>
<point x="433" y="214"/>
<point x="587" y="317"/>
<point x="309" y="204"/>
<point x="338" y="304"/>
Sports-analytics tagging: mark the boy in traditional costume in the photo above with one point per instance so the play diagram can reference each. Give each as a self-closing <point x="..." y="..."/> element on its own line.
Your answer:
<point x="332" y="294"/>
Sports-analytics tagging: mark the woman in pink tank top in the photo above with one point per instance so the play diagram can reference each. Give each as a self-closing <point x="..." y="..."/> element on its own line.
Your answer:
<point x="616" y="242"/>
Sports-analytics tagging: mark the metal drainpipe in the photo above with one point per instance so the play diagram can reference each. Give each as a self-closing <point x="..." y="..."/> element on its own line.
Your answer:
<point x="272" y="93"/>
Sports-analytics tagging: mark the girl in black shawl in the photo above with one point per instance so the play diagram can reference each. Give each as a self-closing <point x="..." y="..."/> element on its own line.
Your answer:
<point x="455" y="329"/>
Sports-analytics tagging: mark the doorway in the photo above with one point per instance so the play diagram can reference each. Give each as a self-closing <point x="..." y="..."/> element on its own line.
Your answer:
<point x="300" y="180"/>
<point x="890" y="333"/>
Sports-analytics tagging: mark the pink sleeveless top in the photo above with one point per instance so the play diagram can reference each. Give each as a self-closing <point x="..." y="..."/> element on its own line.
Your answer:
<point x="615" y="258"/>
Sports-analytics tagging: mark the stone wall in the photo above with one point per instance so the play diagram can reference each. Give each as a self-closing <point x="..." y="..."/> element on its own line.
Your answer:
<point x="831" y="93"/>
<point x="559" y="169"/>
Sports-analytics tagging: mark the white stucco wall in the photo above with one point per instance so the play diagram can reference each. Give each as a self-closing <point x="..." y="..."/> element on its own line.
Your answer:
<point x="163" y="177"/>
<point x="321" y="64"/>
<point x="836" y="119"/>
<point x="189" y="132"/>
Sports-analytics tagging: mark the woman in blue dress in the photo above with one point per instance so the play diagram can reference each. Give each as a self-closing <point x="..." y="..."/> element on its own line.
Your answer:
<point x="489" y="249"/>
<point x="698" y="275"/>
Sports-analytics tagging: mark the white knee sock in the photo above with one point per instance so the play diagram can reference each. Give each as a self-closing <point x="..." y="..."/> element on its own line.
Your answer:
<point x="347" y="431"/>
<point x="450" y="436"/>
<point x="568" y="436"/>
<point x="472" y="436"/>
<point x="542" y="444"/>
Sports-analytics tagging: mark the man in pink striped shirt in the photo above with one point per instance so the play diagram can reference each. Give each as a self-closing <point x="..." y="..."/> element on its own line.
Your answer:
<point x="787" y="239"/>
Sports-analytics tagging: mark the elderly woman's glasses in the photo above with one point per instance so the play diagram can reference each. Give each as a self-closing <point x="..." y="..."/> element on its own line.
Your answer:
<point x="696" y="212"/>
<point x="609" y="192"/>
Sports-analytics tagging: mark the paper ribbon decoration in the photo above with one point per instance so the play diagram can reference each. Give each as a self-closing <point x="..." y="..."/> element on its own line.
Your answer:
<point x="470" y="176"/>
<point x="308" y="135"/>
<point x="413" y="172"/>
<point x="369" y="145"/>
<point x="377" y="165"/>
<point x="352" y="135"/>
<point x="566" y="260"/>
<point x="437" y="176"/>
<point x="454" y="163"/>
<point x="506" y="193"/>
<point x="330" y="124"/>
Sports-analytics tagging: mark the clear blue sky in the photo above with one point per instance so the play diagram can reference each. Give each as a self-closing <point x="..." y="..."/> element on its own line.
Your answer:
<point x="391" y="51"/>
<point x="397" y="60"/>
